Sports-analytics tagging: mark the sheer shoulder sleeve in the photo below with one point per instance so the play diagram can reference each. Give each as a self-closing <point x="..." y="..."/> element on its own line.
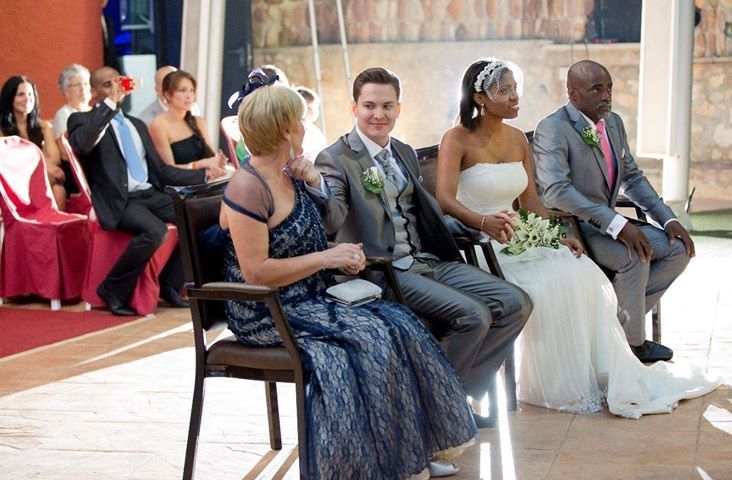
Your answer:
<point x="248" y="194"/>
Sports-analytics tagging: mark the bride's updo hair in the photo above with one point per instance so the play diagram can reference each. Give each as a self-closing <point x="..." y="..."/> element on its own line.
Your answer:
<point x="488" y="76"/>
<point x="267" y="114"/>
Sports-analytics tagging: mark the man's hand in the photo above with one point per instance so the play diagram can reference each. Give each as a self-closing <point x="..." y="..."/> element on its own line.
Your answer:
<point x="302" y="169"/>
<point x="634" y="239"/>
<point x="673" y="230"/>
<point x="116" y="92"/>
<point x="574" y="245"/>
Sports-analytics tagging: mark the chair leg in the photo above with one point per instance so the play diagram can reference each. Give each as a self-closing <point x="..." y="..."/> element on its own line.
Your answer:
<point x="273" y="415"/>
<point x="656" y="322"/>
<point x="302" y="436"/>
<point x="509" y="375"/>
<point x="493" y="398"/>
<point x="194" y="427"/>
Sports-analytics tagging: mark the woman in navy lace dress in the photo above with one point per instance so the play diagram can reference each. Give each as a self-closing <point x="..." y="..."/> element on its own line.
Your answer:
<point x="382" y="399"/>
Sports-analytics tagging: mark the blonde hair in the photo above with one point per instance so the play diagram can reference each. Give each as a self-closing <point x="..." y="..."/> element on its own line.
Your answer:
<point x="267" y="114"/>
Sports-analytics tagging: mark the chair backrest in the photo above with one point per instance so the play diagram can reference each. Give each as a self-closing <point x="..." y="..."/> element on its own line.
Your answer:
<point x="23" y="180"/>
<point x="196" y="209"/>
<point x="230" y="129"/>
<point x="78" y="172"/>
<point x="427" y="157"/>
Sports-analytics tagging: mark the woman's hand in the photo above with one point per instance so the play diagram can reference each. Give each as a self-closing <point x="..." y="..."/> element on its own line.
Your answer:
<point x="499" y="226"/>
<point x="302" y="169"/>
<point x="574" y="245"/>
<point x="348" y="257"/>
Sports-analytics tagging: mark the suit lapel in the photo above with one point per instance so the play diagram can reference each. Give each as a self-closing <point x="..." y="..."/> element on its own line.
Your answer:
<point x="614" y="137"/>
<point x="580" y="124"/>
<point x="364" y="160"/>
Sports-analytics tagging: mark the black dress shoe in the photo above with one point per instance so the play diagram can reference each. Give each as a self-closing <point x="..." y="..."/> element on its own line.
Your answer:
<point x="649" y="352"/>
<point x="116" y="305"/>
<point x="173" y="298"/>
<point x="484" y="422"/>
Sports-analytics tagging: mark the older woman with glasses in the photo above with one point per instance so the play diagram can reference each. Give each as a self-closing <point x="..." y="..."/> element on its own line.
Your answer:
<point x="74" y="84"/>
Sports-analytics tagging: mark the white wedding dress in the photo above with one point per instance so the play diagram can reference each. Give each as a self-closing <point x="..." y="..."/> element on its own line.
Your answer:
<point x="573" y="354"/>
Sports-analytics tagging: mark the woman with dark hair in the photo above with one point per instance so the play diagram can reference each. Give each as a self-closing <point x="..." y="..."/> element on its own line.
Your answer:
<point x="19" y="109"/>
<point x="181" y="138"/>
<point x="573" y="352"/>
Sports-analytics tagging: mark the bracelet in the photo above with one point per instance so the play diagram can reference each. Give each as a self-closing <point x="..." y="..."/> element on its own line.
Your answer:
<point x="192" y="165"/>
<point x="482" y="221"/>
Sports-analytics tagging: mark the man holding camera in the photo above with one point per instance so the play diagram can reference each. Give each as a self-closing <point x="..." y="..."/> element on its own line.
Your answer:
<point x="126" y="178"/>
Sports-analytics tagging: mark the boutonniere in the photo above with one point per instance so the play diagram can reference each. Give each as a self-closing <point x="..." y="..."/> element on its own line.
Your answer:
<point x="372" y="180"/>
<point x="591" y="136"/>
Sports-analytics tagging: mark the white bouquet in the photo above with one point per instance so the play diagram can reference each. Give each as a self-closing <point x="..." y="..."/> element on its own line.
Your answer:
<point x="533" y="231"/>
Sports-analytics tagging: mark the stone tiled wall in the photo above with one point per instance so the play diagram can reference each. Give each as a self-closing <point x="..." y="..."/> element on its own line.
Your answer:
<point x="286" y="22"/>
<point x="709" y="38"/>
<point x="431" y="73"/>
<point x="426" y="55"/>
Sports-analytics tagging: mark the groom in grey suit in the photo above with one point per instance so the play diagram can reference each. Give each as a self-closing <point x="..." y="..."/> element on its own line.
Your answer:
<point x="582" y="159"/>
<point x="397" y="217"/>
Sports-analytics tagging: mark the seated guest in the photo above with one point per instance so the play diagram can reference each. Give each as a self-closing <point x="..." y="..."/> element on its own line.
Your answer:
<point x="74" y="84"/>
<point x="314" y="140"/>
<point x="126" y="178"/>
<point x="181" y="138"/>
<point x="159" y="105"/>
<point x="19" y="107"/>
<point x="582" y="161"/>
<point x="393" y="215"/>
<point x="383" y="399"/>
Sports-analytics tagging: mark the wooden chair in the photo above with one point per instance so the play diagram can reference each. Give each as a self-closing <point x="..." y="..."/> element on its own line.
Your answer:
<point x="196" y="209"/>
<point x="427" y="157"/>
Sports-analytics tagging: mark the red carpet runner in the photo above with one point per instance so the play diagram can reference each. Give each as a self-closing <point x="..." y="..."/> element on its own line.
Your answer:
<point x="25" y="328"/>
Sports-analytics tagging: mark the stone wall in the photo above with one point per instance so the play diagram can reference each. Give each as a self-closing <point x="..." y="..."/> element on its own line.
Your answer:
<point x="287" y="22"/>
<point x="431" y="73"/>
<point x="709" y="38"/>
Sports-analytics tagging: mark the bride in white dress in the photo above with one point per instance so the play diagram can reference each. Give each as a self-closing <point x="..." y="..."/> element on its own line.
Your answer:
<point x="573" y="354"/>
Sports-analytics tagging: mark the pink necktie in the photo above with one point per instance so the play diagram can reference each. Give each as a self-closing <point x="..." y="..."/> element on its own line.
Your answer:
<point x="607" y="152"/>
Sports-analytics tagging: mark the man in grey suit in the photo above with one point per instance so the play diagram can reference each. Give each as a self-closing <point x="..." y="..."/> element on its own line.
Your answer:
<point x="582" y="159"/>
<point x="395" y="216"/>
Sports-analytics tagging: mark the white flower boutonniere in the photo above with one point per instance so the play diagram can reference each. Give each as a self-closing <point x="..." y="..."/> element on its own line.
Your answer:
<point x="372" y="180"/>
<point x="591" y="136"/>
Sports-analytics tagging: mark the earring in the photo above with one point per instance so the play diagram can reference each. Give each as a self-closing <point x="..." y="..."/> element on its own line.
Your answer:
<point x="482" y="109"/>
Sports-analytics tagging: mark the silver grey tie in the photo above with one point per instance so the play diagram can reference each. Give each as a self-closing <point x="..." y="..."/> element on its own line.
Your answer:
<point x="383" y="158"/>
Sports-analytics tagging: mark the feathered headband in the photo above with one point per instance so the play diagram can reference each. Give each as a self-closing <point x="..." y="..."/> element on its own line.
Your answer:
<point x="256" y="79"/>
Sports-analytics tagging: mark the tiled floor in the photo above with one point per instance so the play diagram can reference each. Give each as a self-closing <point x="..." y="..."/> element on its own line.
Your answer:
<point x="115" y="405"/>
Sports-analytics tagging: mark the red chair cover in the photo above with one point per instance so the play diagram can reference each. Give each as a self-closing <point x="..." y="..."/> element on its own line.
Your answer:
<point x="44" y="251"/>
<point x="230" y="129"/>
<point x="107" y="247"/>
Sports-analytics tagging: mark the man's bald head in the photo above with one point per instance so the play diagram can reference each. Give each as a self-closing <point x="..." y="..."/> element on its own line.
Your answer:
<point x="582" y="70"/>
<point x="160" y="75"/>
<point x="589" y="89"/>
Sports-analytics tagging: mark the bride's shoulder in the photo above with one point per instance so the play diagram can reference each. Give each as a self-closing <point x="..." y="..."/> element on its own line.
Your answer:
<point x="514" y="133"/>
<point x="457" y="134"/>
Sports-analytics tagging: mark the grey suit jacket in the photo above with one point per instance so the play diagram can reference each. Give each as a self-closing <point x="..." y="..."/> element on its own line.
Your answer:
<point x="572" y="176"/>
<point x="354" y="214"/>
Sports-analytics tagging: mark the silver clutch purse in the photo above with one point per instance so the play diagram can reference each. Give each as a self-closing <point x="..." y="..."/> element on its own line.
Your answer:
<point x="354" y="292"/>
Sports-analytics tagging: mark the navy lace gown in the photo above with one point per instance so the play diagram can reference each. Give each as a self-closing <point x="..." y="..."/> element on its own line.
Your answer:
<point x="381" y="396"/>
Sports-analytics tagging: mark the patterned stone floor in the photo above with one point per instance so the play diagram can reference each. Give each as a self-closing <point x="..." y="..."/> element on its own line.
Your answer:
<point x="115" y="405"/>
